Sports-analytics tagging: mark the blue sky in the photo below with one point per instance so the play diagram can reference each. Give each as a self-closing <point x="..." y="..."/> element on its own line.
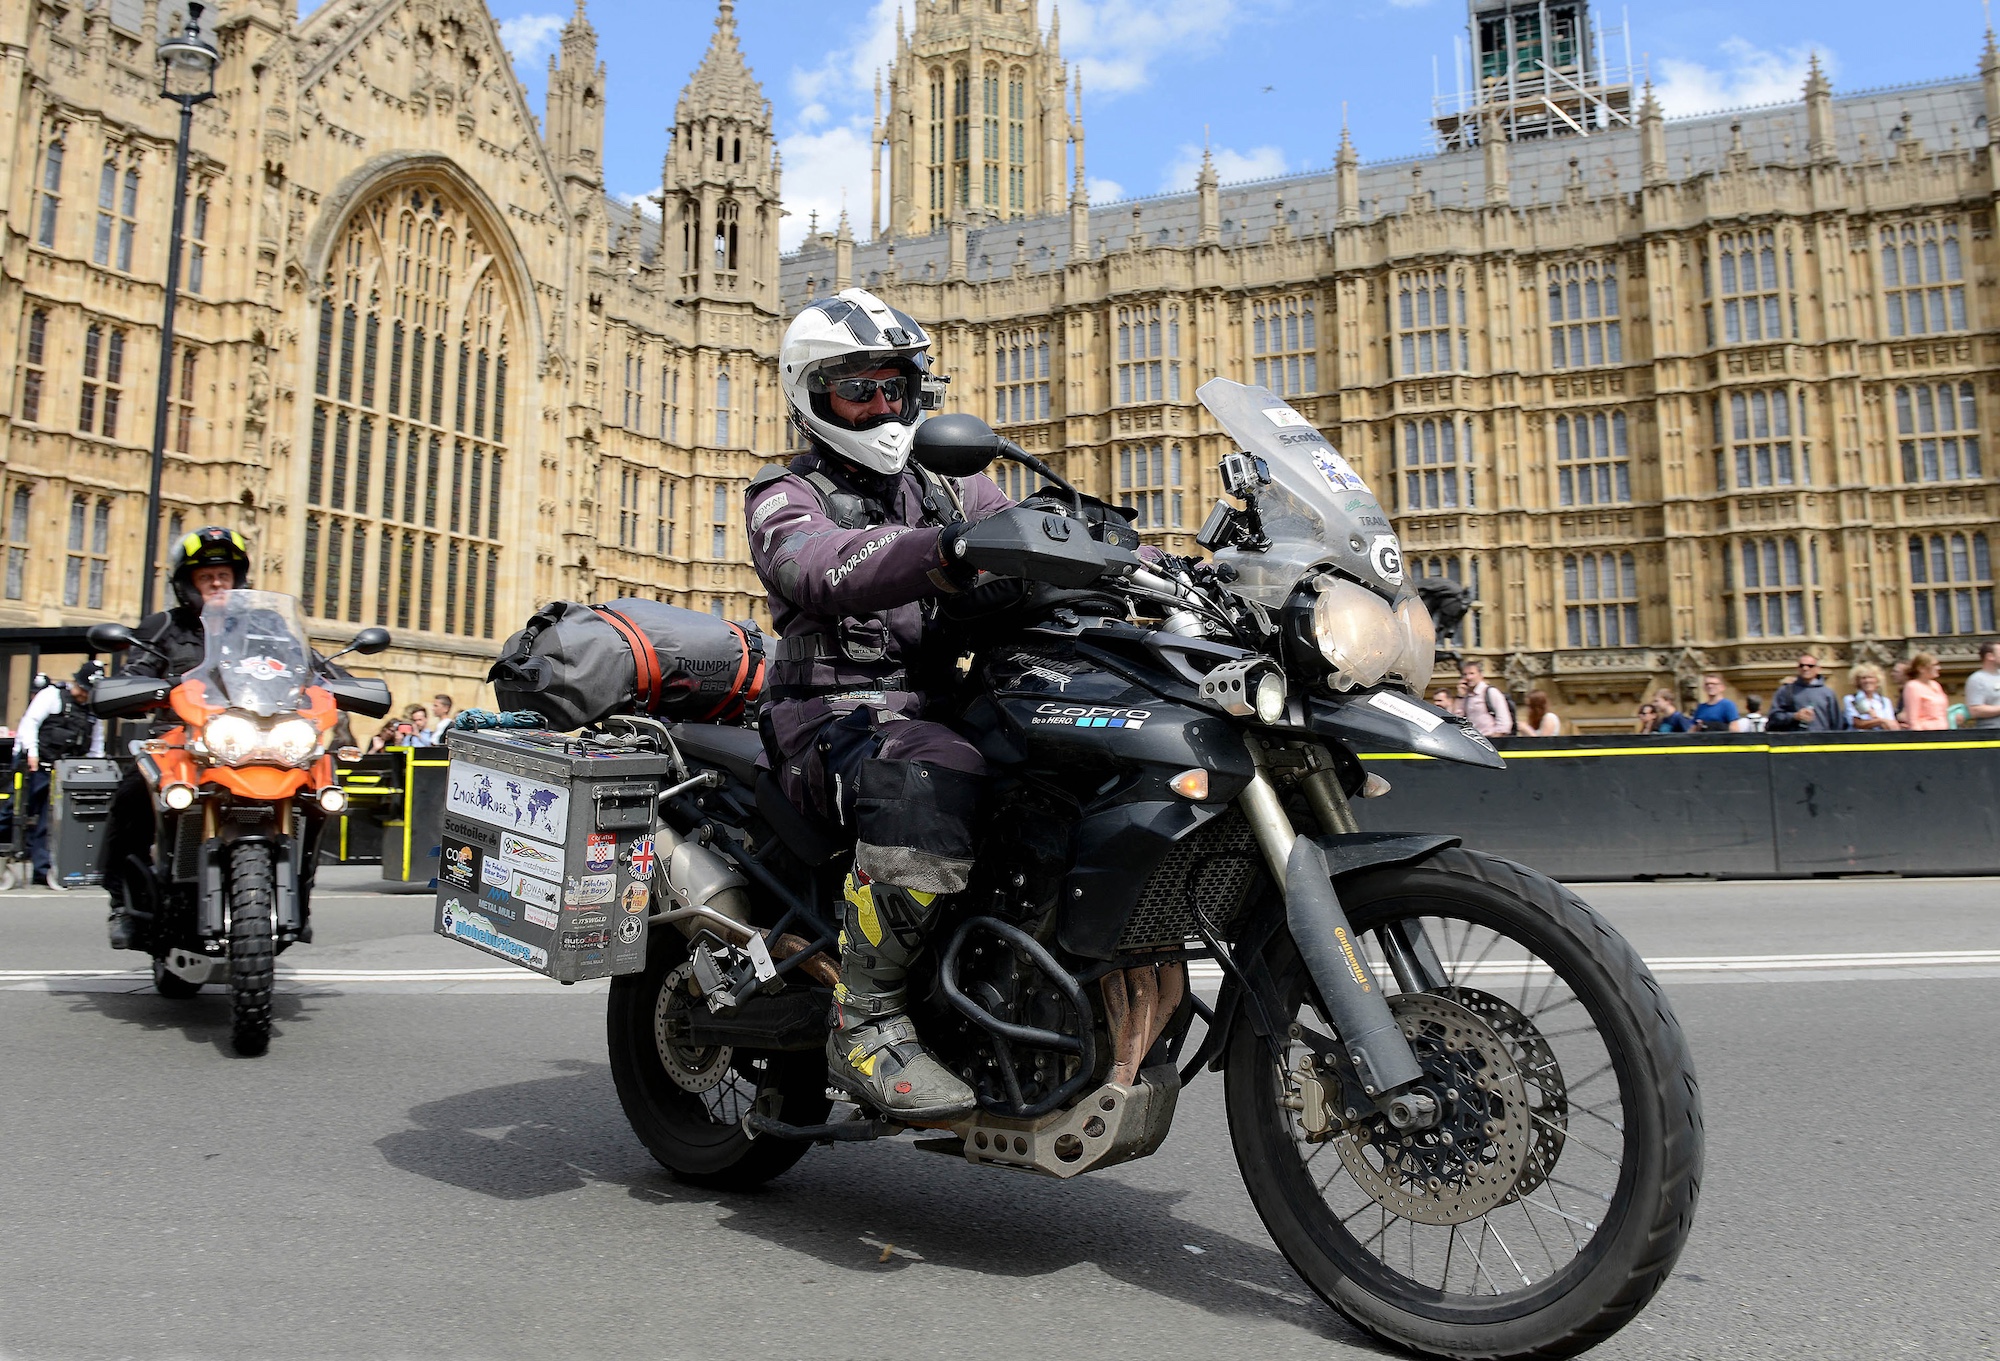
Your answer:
<point x="1156" y="72"/>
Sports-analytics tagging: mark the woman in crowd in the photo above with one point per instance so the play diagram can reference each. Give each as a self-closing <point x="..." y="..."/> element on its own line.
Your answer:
<point x="1868" y="709"/>
<point x="1536" y="719"/>
<point x="1649" y="719"/>
<point x="1924" y="702"/>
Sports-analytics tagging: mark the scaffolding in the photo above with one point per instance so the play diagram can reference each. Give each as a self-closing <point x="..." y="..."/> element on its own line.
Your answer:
<point x="1534" y="69"/>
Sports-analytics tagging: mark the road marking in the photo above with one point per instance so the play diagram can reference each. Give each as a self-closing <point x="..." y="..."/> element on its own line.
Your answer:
<point x="1205" y="973"/>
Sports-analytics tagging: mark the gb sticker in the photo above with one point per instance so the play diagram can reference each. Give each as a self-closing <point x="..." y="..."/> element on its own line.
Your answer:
<point x="1387" y="559"/>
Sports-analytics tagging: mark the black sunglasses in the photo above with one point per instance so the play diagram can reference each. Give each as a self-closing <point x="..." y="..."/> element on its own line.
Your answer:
<point x="864" y="389"/>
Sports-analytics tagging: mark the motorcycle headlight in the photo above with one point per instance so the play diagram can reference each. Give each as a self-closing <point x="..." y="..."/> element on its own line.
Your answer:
<point x="231" y="737"/>
<point x="1364" y="638"/>
<point x="293" y="740"/>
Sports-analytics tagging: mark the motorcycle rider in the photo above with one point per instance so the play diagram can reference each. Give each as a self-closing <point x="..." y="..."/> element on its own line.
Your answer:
<point x="58" y="726"/>
<point x="205" y="565"/>
<point x="854" y="546"/>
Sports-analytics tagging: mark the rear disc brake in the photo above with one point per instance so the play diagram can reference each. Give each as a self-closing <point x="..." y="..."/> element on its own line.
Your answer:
<point x="694" y="1068"/>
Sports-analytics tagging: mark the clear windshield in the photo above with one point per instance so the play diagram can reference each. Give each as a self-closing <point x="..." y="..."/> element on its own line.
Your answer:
<point x="257" y="656"/>
<point x="1317" y="511"/>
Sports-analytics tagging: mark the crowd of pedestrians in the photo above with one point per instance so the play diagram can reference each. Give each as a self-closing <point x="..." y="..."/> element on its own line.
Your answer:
<point x="421" y="727"/>
<point x="1911" y="698"/>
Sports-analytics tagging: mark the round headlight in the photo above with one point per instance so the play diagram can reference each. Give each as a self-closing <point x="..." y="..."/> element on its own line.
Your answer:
<point x="231" y="737"/>
<point x="333" y="799"/>
<point x="1419" y="644"/>
<point x="178" y="797"/>
<point x="1357" y="632"/>
<point x="1270" y="697"/>
<point x="293" y="740"/>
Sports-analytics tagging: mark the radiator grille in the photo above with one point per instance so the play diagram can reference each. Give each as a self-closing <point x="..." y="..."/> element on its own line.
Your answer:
<point x="1222" y="856"/>
<point x="187" y="847"/>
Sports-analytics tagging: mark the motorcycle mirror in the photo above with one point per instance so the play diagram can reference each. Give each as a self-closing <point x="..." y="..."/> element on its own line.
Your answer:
<point x="110" y="637"/>
<point x="956" y="444"/>
<point x="370" y="641"/>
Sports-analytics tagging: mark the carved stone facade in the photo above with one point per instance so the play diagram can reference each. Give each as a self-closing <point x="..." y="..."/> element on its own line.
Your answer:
<point x="423" y="362"/>
<point x="1685" y="394"/>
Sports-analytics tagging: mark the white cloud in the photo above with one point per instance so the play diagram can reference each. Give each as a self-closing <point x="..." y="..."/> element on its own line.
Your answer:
<point x="529" y="37"/>
<point x="641" y="203"/>
<point x="1258" y="163"/>
<point x="1116" y="42"/>
<point x="1747" y="74"/>
<point x="1102" y="191"/>
<point x="824" y="171"/>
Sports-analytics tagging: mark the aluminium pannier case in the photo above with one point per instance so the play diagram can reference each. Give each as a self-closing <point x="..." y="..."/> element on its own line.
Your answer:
<point x="547" y="853"/>
<point x="578" y="664"/>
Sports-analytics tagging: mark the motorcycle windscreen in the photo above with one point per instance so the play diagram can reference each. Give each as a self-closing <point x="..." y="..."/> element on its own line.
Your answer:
<point x="1317" y="511"/>
<point x="257" y="656"/>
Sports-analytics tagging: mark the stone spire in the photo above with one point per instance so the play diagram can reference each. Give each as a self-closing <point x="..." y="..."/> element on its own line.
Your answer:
<point x="843" y="254"/>
<point x="1493" y="143"/>
<point x="722" y="84"/>
<point x="575" y="106"/>
<point x="1205" y="185"/>
<point x="1347" y="180"/>
<point x="1820" y="144"/>
<point x="1652" y="140"/>
<point x="720" y="180"/>
<point x="875" y="160"/>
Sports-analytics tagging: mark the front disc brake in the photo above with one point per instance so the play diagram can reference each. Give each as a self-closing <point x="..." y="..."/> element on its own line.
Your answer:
<point x="694" y="1068"/>
<point x="1474" y="1157"/>
<point x="1541" y="1077"/>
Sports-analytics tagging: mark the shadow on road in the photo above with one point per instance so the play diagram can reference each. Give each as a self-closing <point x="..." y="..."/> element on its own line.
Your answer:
<point x="841" y="1205"/>
<point x="202" y="1019"/>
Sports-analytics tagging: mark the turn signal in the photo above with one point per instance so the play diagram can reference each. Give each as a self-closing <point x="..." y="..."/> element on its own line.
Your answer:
<point x="333" y="799"/>
<point x="1190" y="784"/>
<point x="178" y="797"/>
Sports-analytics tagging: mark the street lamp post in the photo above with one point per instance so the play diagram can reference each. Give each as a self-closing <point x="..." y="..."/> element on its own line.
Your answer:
<point x="187" y="76"/>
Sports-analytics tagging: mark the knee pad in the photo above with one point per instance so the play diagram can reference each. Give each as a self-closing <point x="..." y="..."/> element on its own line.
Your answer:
<point x="914" y="822"/>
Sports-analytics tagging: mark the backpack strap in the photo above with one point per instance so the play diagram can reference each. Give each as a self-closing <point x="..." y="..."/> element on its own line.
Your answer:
<point x="646" y="662"/>
<point x="748" y="683"/>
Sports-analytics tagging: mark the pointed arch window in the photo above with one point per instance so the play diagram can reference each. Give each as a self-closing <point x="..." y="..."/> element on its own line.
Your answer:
<point x="410" y="406"/>
<point x="48" y="206"/>
<point x="722" y="408"/>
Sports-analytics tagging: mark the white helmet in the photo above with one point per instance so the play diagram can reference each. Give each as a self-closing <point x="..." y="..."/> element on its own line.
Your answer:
<point x="844" y="336"/>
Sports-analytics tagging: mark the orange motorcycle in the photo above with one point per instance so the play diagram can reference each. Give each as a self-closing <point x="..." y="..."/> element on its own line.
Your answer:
<point x="240" y="790"/>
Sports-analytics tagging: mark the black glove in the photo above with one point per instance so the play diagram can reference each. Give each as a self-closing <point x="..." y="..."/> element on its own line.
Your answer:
<point x="959" y="573"/>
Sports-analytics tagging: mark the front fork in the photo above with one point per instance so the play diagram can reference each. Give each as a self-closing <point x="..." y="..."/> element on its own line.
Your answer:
<point x="1383" y="1061"/>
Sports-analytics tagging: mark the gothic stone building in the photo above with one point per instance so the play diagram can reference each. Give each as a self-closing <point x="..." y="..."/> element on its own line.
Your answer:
<point x="1669" y="396"/>
<point x="422" y="360"/>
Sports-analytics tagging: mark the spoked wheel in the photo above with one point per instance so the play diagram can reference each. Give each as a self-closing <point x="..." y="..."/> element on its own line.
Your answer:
<point x="687" y="1102"/>
<point x="252" y="955"/>
<point x="167" y="983"/>
<point x="1553" y="1195"/>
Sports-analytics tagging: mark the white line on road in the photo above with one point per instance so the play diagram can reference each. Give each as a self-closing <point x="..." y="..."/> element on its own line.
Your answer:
<point x="1691" y="968"/>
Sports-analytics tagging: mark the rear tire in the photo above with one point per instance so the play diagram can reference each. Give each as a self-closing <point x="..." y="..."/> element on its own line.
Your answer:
<point x="252" y="895"/>
<point x="167" y="983"/>
<point x="698" y="1136"/>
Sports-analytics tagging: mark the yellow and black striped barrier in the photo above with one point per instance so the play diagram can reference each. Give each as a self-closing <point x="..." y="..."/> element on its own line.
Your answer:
<point x="1786" y="804"/>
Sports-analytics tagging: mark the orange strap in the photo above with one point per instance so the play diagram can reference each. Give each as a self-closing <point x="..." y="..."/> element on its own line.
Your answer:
<point x="645" y="661"/>
<point x="736" y="700"/>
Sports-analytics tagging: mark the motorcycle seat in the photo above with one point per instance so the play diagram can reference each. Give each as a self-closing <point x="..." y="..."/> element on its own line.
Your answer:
<point x="734" y="749"/>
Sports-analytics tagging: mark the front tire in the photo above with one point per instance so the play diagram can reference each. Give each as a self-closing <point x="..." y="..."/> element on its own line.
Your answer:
<point x="252" y="957"/>
<point x="1588" y="1015"/>
<point x="690" y="1116"/>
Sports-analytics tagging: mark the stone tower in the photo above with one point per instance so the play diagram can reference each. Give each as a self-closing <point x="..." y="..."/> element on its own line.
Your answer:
<point x="978" y="118"/>
<point x="719" y="192"/>
<point x="1540" y="68"/>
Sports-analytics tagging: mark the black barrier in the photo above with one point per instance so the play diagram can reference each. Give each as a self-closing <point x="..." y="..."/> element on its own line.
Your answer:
<point x="1731" y="805"/>
<point x="411" y="838"/>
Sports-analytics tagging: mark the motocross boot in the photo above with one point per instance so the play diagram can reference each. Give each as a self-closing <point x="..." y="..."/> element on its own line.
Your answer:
<point x="124" y="930"/>
<point x="873" y="1052"/>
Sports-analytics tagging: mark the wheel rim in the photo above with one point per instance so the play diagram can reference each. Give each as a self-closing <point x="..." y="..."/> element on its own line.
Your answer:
<point x="1521" y="1194"/>
<point x="724" y="1084"/>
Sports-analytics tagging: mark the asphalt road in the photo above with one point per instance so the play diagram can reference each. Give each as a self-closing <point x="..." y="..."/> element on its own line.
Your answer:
<point x="428" y="1166"/>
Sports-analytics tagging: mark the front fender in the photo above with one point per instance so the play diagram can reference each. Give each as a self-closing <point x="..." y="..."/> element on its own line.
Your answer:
<point x="266" y="784"/>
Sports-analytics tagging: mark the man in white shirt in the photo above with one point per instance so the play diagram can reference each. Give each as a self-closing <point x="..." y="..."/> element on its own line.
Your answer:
<point x="1484" y="707"/>
<point x="57" y="727"/>
<point x="1982" y="688"/>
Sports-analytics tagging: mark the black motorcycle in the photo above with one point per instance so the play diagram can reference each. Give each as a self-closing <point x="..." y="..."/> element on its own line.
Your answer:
<point x="1458" y="1098"/>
